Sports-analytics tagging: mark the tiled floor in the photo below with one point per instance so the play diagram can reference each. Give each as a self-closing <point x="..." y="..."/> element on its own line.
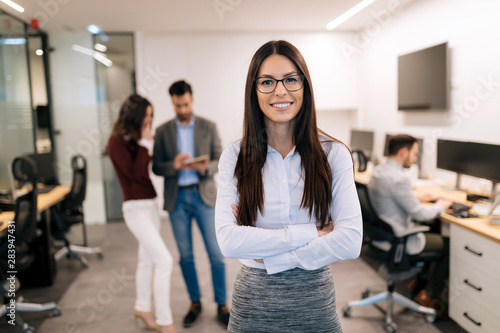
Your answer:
<point x="101" y="297"/>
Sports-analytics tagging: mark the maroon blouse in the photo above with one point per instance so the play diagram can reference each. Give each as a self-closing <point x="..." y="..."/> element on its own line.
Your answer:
<point x="131" y="165"/>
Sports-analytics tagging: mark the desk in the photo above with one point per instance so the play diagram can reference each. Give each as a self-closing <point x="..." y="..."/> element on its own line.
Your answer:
<point x="474" y="264"/>
<point x="44" y="202"/>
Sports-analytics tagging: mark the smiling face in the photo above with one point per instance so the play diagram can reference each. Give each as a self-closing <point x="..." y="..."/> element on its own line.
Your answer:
<point x="281" y="106"/>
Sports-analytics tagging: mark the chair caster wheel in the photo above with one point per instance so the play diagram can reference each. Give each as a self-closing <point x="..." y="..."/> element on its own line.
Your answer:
<point x="100" y="255"/>
<point x="28" y="329"/>
<point x="430" y="318"/>
<point x="365" y="294"/>
<point x="56" y="312"/>
<point x="347" y="311"/>
<point x="391" y="328"/>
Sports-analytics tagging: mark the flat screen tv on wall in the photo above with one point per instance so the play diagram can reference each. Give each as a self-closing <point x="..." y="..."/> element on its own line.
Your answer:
<point x="423" y="79"/>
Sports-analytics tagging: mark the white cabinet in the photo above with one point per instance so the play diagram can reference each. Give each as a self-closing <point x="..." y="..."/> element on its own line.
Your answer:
<point x="474" y="281"/>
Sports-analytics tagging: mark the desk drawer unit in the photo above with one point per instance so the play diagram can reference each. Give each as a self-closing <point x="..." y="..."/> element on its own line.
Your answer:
<point x="473" y="317"/>
<point x="474" y="281"/>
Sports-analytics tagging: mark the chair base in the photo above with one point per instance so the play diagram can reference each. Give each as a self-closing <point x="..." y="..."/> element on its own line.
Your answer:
<point x="73" y="251"/>
<point x="29" y="307"/>
<point x="391" y="297"/>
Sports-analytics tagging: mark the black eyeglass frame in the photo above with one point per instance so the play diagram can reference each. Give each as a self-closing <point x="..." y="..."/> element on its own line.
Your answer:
<point x="302" y="77"/>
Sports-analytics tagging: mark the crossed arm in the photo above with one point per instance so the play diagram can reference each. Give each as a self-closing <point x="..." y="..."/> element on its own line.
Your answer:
<point x="296" y="245"/>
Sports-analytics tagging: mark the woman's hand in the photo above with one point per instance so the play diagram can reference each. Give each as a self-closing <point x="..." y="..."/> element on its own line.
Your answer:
<point x="326" y="229"/>
<point x="146" y="132"/>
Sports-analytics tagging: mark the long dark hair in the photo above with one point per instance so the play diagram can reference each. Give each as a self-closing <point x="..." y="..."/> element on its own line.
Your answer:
<point x="132" y="114"/>
<point x="317" y="196"/>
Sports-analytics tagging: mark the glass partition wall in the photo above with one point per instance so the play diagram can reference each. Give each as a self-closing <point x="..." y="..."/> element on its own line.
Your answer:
<point x="115" y="76"/>
<point x="23" y="82"/>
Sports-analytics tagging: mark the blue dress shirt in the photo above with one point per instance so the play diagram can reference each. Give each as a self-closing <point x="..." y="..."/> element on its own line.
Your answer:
<point x="185" y="144"/>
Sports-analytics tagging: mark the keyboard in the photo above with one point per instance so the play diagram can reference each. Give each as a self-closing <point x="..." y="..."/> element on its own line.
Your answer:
<point x="463" y="214"/>
<point x="459" y="207"/>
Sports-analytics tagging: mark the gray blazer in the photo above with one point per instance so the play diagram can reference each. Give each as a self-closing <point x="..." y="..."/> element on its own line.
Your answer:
<point x="206" y="140"/>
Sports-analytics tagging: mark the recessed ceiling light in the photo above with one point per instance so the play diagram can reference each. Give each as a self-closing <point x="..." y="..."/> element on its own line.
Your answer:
<point x="93" y="29"/>
<point x="348" y="14"/>
<point x="13" y="5"/>
<point x="39" y="52"/>
<point x="100" y="47"/>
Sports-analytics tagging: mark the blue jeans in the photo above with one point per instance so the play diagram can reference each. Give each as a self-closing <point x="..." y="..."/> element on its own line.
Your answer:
<point x="189" y="204"/>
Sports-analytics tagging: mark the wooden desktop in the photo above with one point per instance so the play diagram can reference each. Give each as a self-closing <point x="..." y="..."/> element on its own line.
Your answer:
<point x="44" y="202"/>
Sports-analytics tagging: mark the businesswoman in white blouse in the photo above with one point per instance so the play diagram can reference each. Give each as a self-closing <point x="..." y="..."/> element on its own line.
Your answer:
<point x="287" y="205"/>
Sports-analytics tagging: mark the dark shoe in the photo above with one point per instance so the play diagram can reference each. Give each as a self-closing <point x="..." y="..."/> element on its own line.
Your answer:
<point x="192" y="315"/>
<point x="223" y="314"/>
<point x="423" y="298"/>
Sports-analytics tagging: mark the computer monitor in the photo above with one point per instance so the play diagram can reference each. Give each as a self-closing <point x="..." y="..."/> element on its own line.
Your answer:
<point x="469" y="158"/>
<point x="46" y="167"/>
<point x="362" y="140"/>
<point x="420" y="148"/>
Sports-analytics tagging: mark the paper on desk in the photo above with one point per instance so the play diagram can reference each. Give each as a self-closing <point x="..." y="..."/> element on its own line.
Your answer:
<point x="483" y="209"/>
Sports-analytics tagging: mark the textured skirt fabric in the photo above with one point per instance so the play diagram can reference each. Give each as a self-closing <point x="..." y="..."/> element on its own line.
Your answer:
<point x="294" y="301"/>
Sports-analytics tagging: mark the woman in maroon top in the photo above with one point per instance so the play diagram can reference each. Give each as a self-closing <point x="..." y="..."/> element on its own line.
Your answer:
<point x="128" y="150"/>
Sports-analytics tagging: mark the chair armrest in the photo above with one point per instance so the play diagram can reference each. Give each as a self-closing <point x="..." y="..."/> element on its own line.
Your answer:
<point x="412" y="231"/>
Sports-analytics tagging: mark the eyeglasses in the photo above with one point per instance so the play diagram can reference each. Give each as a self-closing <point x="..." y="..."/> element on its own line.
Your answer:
<point x="267" y="85"/>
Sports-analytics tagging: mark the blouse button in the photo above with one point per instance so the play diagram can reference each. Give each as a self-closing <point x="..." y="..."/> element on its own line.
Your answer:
<point x="283" y="180"/>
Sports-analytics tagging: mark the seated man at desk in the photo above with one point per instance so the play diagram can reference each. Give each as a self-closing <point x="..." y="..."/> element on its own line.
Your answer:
<point x="394" y="201"/>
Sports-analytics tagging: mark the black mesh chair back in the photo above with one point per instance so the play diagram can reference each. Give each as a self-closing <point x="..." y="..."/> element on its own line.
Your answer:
<point x="70" y="210"/>
<point x="24" y="172"/>
<point x="79" y="184"/>
<point x="374" y="228"/>
<point x="398" y="264"/>
<point x="362" y="160"/>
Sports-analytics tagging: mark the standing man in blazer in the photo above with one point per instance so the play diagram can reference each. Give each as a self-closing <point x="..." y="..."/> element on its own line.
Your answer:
<point x="190" y="191"/>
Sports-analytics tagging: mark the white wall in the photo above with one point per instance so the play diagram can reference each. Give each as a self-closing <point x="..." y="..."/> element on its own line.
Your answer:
<point x="471" y="29"/>
<point x="75" y="116"/>
<point x="216" y="65"/>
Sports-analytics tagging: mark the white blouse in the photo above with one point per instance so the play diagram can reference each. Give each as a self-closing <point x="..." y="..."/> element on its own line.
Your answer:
<point x="285" y="237"/>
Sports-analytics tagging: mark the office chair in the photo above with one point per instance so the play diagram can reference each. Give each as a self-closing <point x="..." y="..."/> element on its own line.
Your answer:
<point x="395" y="265"/>
<point x="19" y="240"/>
<point x="69" y="212"/>
<point x="361" y="158"/>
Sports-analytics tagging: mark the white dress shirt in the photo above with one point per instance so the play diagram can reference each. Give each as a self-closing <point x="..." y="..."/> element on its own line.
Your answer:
<point x="285" y="236"/>
<point x="392" y="198"/>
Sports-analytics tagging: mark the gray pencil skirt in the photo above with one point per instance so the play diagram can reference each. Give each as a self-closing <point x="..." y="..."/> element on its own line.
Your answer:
<point x="294" y="301"/>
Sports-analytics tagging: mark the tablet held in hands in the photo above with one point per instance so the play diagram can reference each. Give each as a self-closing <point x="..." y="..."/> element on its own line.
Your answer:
<point x="201" y="158"/>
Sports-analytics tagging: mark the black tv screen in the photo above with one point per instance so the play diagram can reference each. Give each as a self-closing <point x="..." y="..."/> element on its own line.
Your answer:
<point x="423" y="79"/>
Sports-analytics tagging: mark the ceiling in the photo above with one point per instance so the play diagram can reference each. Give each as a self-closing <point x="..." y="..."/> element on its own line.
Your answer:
<point x="196" y="15"/>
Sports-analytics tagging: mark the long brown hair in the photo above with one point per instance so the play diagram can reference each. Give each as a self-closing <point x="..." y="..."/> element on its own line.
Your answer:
<point x="132" y="114"/>
<point x="317" y="196"/>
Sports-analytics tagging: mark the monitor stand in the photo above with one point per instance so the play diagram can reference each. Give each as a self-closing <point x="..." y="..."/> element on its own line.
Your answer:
<point x="496" y="202"/>
<point x="457" y="184"/>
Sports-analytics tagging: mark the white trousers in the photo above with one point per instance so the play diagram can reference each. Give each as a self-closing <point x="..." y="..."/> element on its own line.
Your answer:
<point x="154" y="266"/>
